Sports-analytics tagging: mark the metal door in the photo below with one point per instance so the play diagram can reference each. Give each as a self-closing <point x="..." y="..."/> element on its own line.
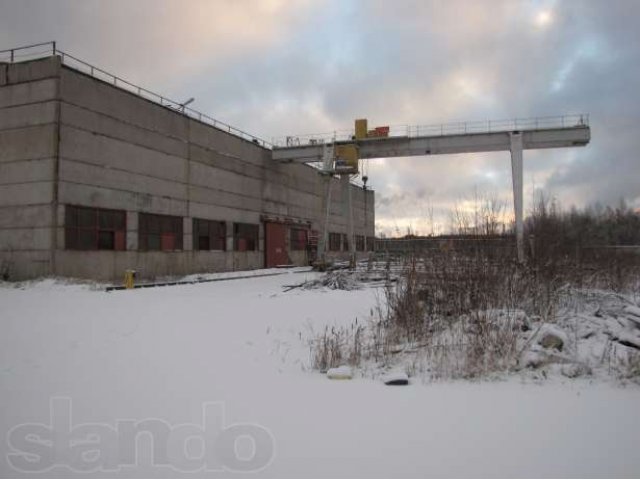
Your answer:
<point x="275" y="244"/>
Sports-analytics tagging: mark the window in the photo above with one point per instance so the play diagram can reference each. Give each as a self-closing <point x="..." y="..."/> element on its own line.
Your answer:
<point x="245" y="237"/>
<point x="209" y="235"/>
<point x="159" y="232"/>
<point x="345" y="242"/>
<point x="371" y="243"/>
<point x="89" y="228"/>
<point x="360" y="243"/>
<point x="334" y="242"/>
<point x="298" y="239"/>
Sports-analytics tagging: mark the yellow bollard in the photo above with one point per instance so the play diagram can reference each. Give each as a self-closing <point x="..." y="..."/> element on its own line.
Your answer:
<point x="129" y="276"/>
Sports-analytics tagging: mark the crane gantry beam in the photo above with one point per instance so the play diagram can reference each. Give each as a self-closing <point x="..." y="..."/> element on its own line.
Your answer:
<point x="511" y="136"/>
<point x="405" y="146"/>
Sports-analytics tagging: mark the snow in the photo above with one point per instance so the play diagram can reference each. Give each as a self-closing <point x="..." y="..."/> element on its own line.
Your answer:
<point x="343" y="372"/>
<point x="395" y="378"/>
<point x="164" y="352"/>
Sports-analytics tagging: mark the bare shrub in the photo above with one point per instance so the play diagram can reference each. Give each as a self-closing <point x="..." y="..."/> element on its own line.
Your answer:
<point x="337" y="346"/>
<point x="460" y="311"/>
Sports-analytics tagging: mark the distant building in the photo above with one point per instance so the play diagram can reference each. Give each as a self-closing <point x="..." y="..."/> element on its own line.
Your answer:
<point x="96" y="179"/>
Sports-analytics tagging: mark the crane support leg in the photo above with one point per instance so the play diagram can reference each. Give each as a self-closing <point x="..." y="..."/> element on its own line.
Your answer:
<point x="516" y="174"/>
<point x="326" y="205"/>
<point x="347" y="212"/>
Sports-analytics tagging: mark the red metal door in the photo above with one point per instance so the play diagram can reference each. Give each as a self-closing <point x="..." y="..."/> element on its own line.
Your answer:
<point x="275" y="244"/>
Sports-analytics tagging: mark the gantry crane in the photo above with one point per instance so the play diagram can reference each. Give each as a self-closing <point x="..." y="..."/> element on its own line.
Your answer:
<point x="340" y="155"/>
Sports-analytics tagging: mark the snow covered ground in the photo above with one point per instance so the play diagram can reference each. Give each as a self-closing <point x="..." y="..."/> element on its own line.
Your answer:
<point x="160" y="354"/>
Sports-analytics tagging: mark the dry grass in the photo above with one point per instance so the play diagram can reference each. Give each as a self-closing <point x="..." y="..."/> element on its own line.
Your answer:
<point x="459" y="314"/>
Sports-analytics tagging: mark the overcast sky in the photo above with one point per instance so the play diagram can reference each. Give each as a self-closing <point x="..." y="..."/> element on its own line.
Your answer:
<point x="276" y="68"/>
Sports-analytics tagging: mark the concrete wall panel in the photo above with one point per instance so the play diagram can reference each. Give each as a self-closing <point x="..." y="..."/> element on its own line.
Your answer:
<point x="26" y="171"/>
<point x="102" y="97"/>
<point x="25" y="216"/>
<point x="100" y="150"/>
<point x="224" y="199"/>
<point x="34" y="70"/>
<point x="92" y="196"/>
<point x="216" y="159"/>
<point x="220" y="213"/>
<point x="85" y="173"/>
<point x="26" y="93"/>
<point x="121" y="129"/>
<point x="34" y="238"/>
<point x="27" y="143"/>
<point x="24" y="265"/>
<point x="202" y="175"/>
<point x="33" y="193"/>
<point x="28" y="115"/>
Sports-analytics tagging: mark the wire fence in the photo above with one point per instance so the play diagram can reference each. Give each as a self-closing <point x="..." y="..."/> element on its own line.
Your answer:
<point x="47" y="49"/>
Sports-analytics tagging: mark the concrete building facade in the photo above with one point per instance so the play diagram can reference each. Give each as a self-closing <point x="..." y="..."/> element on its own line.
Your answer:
<point x="95" y="179"/>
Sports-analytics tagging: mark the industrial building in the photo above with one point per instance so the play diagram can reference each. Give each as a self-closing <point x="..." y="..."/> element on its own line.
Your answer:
<point x="98" y="176"/>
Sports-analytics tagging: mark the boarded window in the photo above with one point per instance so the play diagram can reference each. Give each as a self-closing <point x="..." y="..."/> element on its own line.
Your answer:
<point x="245" y="237"/>
<point x="159" y="232"/>
<point x="334" y="242"/>
<point x="209" y="235"/>
<point x="88" y="228"/>
<point x="360" y="243"/>
<point x="298" y="239"/>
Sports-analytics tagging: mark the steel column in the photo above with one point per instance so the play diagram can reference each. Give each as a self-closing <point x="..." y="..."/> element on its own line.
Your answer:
<point x="516" y="175"/>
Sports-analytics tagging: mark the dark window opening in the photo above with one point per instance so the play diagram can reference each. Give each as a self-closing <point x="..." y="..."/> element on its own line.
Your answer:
<point x="159" y="232"/>
<point x="88" y="228"/>
<point x="371" y="244"/>
<point x="297" y="239"/>
<point x="360" y="243"/>
<point x="245" y="237"/>
<point x="345" y="242"/>
<point x="334" y="242"/>
<point x="209" y="235"/>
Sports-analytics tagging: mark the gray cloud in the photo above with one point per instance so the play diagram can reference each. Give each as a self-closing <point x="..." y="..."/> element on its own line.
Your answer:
<point x="279" y="68"/>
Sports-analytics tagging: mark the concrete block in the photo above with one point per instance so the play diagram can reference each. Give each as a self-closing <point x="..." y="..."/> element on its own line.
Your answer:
<point x="217" y="212"/>
<point x="132" y="230"/>
<point x="60" y="237"/>
<point x="102" y="97"/>
<point x="187" y="234"/>
<point x="209" y="261"/>
<point x="121" y="129"/>
<point x="214" y="158"/>
<point x="25" y="216"/>
<point x="28" y="143"/>
<point x="225" y="199"/>
<point x="17" y="239"/>
<point x="25" y="265"/>
<point x="28" y="115"/>
<point x="92" y="196"/>
<point x="214" y="138"/>
<point x="108" y="152"/>
<point x="32" y="193"/>
<point x="214" y="178"/>
<point x="87" y="174"/>
<point x="279" y="209"/>
<point x="28" y="93"/>
<point x="33" y="70"/>
<point x="26" y="171"/>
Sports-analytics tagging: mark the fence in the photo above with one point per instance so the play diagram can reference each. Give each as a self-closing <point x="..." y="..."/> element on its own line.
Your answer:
<point x="457" y="128"/>
<point x="47" y="49"/>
